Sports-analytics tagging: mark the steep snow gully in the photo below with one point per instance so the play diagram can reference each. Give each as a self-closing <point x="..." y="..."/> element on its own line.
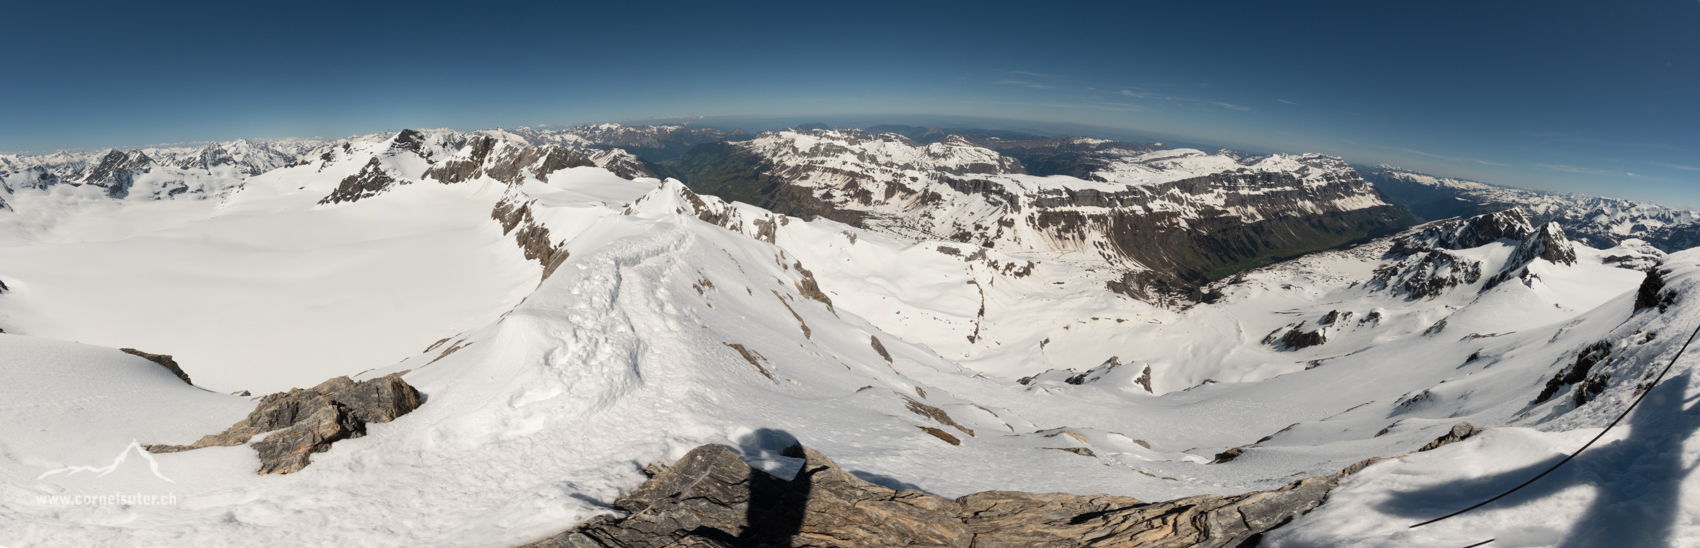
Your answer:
<point x="574" y="327"/>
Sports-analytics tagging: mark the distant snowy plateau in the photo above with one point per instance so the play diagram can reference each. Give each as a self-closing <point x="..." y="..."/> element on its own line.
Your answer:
<point x="548" y="331"/>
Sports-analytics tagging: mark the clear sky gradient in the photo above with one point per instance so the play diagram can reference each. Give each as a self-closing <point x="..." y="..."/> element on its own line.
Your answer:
<point x="1594" y="97"/>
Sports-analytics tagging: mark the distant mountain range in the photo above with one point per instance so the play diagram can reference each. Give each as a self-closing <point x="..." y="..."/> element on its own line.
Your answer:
<point x="1169" y="220"/>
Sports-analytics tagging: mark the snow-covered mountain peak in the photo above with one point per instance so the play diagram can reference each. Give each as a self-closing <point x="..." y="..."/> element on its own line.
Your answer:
<point x="1454" y="234"/>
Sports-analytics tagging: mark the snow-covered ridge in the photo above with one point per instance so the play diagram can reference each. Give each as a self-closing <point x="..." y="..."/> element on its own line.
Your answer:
<point x="1595" y="221"/>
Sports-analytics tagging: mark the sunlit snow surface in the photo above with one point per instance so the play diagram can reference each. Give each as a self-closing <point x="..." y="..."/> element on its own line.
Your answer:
<point x="559" y="393"/>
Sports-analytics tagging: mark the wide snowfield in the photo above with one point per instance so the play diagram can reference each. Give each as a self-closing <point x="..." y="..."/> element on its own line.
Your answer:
<point x="662" y="332"/>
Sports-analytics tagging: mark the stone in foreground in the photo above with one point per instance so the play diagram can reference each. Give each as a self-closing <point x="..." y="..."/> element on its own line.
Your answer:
<point x="712" y="498"/>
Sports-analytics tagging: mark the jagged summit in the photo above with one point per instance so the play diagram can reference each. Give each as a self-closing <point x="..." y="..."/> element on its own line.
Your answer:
<point x="1511" y="224"/>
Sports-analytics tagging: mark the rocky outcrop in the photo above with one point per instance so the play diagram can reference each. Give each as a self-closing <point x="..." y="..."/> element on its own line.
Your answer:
<point x="116" y="172"/>
<point x="1473" y="232"/>
<point x="161" y="359"/>
<point x="1590" y="356"/>
<point x="533" y="238"/>
<point x="371" y="181"/>
<point x="1460" y="432"/>
<point x="879" y="348"/>
<point x="307" y="421"/>
<point x="1297" y="338"/>
<point x="505" y="162"/>
<point x="711" y="498"/>
<point x="1548" y="243"/>
<point x="1545" y="243"/>
<point x="1427" y="275"/>
<point x="1652" y="292"/>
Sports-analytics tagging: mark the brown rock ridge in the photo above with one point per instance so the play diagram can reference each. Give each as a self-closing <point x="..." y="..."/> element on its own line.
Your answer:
<point x="309" y="421"/>
<point x="711" y="498"/>
<point x="161" y="359"/>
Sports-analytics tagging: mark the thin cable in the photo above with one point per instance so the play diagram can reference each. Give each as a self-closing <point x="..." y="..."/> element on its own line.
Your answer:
<point x="1590" y="442"/>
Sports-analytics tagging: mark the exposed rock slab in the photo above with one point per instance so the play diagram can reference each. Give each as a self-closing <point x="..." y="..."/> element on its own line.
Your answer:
<point x="712" y="498"/>
<point x="1460" y="432"/>
<point x="307" y="421"/>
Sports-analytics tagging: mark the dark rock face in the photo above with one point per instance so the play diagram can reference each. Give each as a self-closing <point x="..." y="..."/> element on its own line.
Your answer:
<point x="1454" y="234"/>
<point x="1423" y="266"/>
<point x="371" y="181"/>
<point x="711" y="498"/>
<point x="1675" y="238"/>
<point x="1196" y="250"/>
<point x="508" y="163"/>
<point x="533" y="238"/>
<point x="879" y="348"/>
<point x="116" y="172"/>
<point x="1590" y="356"/>
<point x="1298" y="338"/>
<point x="463" y="170"/>
<point x="308" y="421"/>
<point x="1428" y="275"/>
<point x="1460" y="432"/>
<point x="1546" y="243"/>
<point x="162" y="359"/>
<point x="1648" y="295"/>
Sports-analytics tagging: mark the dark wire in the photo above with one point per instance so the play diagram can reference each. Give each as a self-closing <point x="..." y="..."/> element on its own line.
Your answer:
<point x="1584" y="447"/>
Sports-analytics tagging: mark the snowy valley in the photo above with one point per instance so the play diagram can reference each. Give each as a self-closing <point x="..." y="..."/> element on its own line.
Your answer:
<point x="929" y="315"/>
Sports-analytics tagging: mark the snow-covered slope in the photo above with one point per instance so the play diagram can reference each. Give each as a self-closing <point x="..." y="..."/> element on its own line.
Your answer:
<point x="578" y="325"/>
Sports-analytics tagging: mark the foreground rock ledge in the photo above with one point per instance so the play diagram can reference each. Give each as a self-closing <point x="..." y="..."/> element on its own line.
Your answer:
<point x="309" y="421"/>
<point x="712" y="498"/>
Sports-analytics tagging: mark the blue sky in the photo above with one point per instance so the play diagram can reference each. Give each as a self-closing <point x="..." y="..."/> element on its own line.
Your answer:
<point x="1594" y="97"/>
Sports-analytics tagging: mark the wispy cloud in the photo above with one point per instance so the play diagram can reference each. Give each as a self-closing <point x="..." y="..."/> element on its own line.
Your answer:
<point x="1124" y="107"/>
<point x="1033" y="74"/>
<point x="1577" y="137"/>
<point x="1286" y="101"/>
<point x="1582" y="170"/>
<point x="1454" y="159"/>
<point x="1116" y="107"/>
<point x="1024" y="83"/>
<point x="1143" y="95"/>
<point x="1432" y="155"/>
<point x="1677" y="166"/>
<point x="1162" y="97"/>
